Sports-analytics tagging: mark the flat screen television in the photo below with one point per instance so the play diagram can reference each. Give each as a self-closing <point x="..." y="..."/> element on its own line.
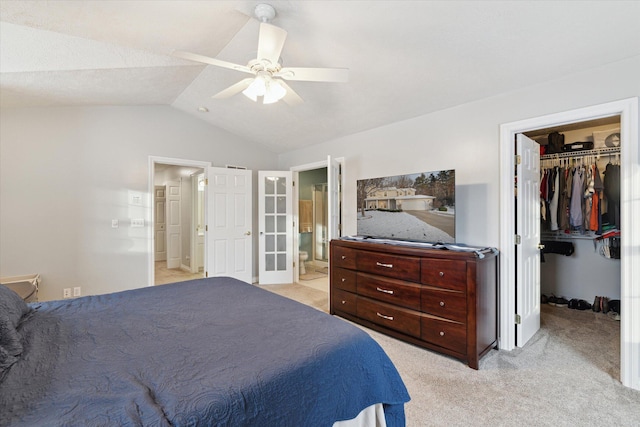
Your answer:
<point x="419" y="207"/>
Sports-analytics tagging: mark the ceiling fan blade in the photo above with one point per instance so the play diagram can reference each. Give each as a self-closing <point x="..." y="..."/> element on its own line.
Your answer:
<point x="290" y="98"/>
<point x="270" y="42"/>
<point x="234" y="89"/>
<point x="314" y="74"/>
<point x="211" y="61"/>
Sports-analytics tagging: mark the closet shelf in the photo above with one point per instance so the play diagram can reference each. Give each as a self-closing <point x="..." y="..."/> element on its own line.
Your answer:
<point x="594" y="152"/>
<point x="573" y="235"/>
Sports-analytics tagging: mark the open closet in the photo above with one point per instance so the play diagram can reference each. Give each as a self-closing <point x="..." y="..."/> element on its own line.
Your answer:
<point x="580" y="210"/>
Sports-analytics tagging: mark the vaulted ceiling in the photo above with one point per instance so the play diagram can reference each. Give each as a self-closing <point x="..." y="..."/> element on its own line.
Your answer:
<point x="405" y="58"/>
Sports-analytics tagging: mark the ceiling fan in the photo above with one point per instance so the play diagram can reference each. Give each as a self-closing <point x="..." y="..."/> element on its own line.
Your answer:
<point x="269" y="74"/>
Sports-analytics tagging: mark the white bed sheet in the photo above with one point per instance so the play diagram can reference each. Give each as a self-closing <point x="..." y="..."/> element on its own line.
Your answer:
<point x="371" y="416"/>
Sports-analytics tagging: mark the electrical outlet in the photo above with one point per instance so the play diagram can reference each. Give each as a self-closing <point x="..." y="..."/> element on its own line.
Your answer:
<point x="76" y="291"/>
<point x="66" y="293"/>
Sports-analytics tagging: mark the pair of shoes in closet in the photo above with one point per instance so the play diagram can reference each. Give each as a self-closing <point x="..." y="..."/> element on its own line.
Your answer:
<point x="614" y="309"/>
<point x="601" y="304"/>
<point x="614" y="315"/>
<point x="558" y="301"/>
<point x="579" y="304"/>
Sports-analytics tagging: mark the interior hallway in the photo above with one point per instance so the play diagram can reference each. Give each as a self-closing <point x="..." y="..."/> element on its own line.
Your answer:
<point x="164" y="275"/>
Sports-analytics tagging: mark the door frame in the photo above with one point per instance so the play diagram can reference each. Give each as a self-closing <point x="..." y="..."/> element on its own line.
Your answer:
<point x="296" y="199"/>
<point x="194" y="268"/>
<point x="627" y="109"/>
<point x="153" y="160"/>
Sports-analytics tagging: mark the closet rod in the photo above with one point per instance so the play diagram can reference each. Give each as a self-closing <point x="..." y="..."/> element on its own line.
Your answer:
<point x="594" y="152"/>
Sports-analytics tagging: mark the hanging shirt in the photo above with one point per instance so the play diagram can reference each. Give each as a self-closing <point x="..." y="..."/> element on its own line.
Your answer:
<point x="563" y="209"/>
<point x="612" y="193"/>
<point x="588" y="194"/>
<point x="598" y="187"/>
<point x="575" y="208"/>
<point x="553" y="204"/>
<point x="543" y="195"/>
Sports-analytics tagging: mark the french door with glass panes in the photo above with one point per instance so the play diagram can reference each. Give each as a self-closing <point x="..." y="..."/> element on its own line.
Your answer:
<point x="275" y="225"/>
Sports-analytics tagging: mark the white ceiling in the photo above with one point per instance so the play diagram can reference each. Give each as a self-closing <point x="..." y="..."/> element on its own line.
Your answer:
<point x="406" y="58"/>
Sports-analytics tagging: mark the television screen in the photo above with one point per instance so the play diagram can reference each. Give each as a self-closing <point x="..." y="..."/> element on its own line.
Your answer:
<point x="418" y="207"/>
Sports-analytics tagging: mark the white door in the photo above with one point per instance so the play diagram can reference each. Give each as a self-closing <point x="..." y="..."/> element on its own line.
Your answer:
<point x="275" y="221"/>
<point x="159" y="228"/>
<point x="229" y="224"/>
<point x="334" y="203"/>
<point x="174" y="226"/>
<point x="528" y="228"/>
<point x="333" y="179"/>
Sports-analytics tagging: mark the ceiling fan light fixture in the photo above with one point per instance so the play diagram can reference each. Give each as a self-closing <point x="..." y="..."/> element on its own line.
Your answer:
<point x="257" y="88"/>
<point x="275" y="92"/>
<point x="264" y="86"/>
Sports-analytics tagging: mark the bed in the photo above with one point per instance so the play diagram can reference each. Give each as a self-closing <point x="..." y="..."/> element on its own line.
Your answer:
<point x="206" y="352"/>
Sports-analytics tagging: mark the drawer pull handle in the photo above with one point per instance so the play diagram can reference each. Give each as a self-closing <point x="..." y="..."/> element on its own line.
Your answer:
<point x="379" y="264"/>
<point x="441" y="333"/>
<point x="343" y="279"/>
<point x="386" y="291"/>
<point x="344" y="302"/>
<point x="343" y="257"/>
<point x="441" y="303"/>
<point x="441" y="274"/>
<point x="384" y="317"/>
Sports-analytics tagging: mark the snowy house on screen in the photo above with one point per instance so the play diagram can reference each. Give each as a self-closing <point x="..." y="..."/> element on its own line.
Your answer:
<point x="393" y="198"/>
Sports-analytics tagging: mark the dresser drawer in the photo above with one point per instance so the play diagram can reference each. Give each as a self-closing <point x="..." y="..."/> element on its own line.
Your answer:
<point x="399" y="267"/>
<point x="343" y="301"/>
<point x="397" y="318"/>
<point x="343" y="257"/>
<point x="449" y="304"/>
<point x="451" y="335"/>
<point x="343" y="279"/>
<point x="449" y="274"/>
<point x="397" y="292"/>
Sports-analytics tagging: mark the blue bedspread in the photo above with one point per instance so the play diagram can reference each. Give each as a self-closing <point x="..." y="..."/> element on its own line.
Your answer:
<point x="207" y="352"/>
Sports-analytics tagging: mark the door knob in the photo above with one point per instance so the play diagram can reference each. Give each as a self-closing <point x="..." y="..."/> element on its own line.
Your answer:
<point x="248" y="233"/>
<point x="540" y="246"/>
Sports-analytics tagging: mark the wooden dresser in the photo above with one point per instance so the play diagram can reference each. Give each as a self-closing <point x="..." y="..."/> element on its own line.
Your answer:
<point x="438" y="299"/>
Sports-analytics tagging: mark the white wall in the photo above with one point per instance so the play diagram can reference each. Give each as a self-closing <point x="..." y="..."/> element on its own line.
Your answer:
<point x="582" y="275"/>
<point x="65" y="173"/>
<point x="466" y="138"/>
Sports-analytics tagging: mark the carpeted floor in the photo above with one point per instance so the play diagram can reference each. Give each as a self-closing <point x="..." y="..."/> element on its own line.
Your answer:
<point x="312" y="275"/>
<point x="567" y="375"/>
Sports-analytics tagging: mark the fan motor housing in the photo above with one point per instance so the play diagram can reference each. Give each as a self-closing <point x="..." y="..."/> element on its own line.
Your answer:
<point x="264" y="12"/>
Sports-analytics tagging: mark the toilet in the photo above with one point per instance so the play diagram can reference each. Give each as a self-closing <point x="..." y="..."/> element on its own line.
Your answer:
<point x="303" y="257"/>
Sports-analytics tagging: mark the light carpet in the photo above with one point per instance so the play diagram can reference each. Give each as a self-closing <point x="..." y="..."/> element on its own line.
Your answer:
<point x="566" y="375"/>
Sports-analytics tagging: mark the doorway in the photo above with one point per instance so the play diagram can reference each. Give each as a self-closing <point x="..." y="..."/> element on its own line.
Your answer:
<point x="630" y="209"/>
<point x="179" y="223"/>
<point x="174" y="220"/>
<point x="318" y="208"/>
<point x="312" y="230"/>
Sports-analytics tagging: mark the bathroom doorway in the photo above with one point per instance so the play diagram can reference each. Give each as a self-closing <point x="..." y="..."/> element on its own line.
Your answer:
<point x="313" y="228"/>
